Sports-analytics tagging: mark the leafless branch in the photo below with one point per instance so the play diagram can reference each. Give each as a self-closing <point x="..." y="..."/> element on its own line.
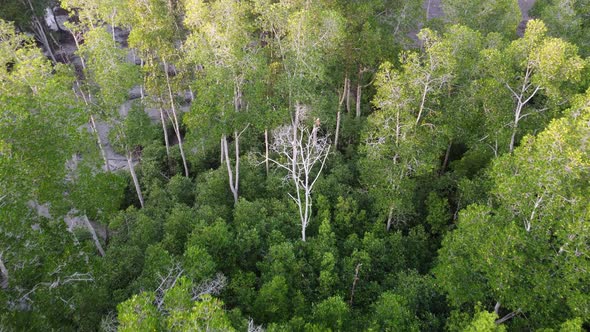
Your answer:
<point x="301" y="152"/>
<point x="212" y="287"/>
<point x="253" y="327"/>
<point x="167" y="282"/>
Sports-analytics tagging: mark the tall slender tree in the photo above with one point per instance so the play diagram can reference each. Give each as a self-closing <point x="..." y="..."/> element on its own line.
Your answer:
<point x="223" y="46"/>
<point x="403" y="138"/>
<point x="155" y="34"/>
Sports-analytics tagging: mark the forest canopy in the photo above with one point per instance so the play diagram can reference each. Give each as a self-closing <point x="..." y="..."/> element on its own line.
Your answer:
<point x="294" y="165"/>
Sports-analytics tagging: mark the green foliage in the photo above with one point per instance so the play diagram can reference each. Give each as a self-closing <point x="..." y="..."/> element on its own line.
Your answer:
<point x="177" y="227"/>
<point x="438" y="213"/>
<point x="182" y="190"/>
<point x="198" y="263"/>
<point x="138" y="313"/>
<point x="390" y="312"/>
<point x="486" y="16"/>
<point x="331" y="314"/>
<point x="567" y="20"/>
<point x="484" y="321"/>
<point x="97" y="195"/>
<point x="272" y="302"/>
<point x="108" y="73"/>
<point x="535" y="209"/>
<point x="207" y="313"/>
<point x="458" y="193"/>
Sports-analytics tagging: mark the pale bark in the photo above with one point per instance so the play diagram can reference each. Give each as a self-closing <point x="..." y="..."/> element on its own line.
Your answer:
<point x="389" y="218"/>
<point x="175" y="123"/>
<point x="41" y="33"/>
<point x="507" y="317"/>
<point x="222" y="158"/>
<point x="302" y="155"/>
<point x="42" y="36"/>
<point x="497" y="308"/>
<point x="340" y="102"/>
<point x="166" y="140"/>
<point x="4" y="273"/>
<point x="234" y="175"/>
<point x="359" y="88"/>
<point x="266" y="149"/>
<point x="100" y="145"/>
<point x="134" y="177"/>
<point x="237" y="166"/>
<point x="295" y="126"/>
<point x="94" y="236"/>
<point x="92" y="120"/>
<point x="423" y="101"/>
<point x="233" y="180"/>
<point x="347" y="83"/>
<point x="522" y="99"/>
<point x="446" y="160"/>
<point x="141" y="86"/>
<point x="354" y="281"/>
<point x="337" y="130"/>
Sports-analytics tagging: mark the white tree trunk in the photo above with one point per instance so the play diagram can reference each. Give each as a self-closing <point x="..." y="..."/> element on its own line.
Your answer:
<point x="92" y="121"/>
<point x="134" y="177"/>
<point x="522" y="98"/>
<point x="166" y="141"/>
<point x="337" y="130"/>
<point x="237" y="166"/>
<point x="3" y="273"/>
<point x="42" y="36"/>
<point x="359" y="91"/>
<point x="342" y="99"/>
<point x="233" y="186"/>
<point x="347" y="84"/>
<point x="266" y="149"/>
<point x="175" y="123"/>
<point x="40" y="32"/>
<point x="423" y="101"/>
<point x="94" y="237"/>
<point x="389" y="218"/>
<point x="100" y="146"/>
<point x="302" y="150"/>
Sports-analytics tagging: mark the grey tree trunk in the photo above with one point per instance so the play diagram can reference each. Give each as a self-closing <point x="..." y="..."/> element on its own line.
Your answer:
<point x="175" y="123"/>
<point x="100" y="146"/>
<point x="166" y="141"/>
<point x="359" y="89"/>
<point x="94" y="237"/>
<point x="266" y="149"/>
<point x="337" y="130"/>
<point x="233" y="179"/>
<point x="3" y="273"/>
<point x="134" y="177"/>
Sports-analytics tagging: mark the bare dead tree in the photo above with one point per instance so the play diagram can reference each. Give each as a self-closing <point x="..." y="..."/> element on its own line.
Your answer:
<point x="166" y="282"/>
<point x="59" y="281"/>
<point x="253" y="327"/>
<point x="301" y="152"/>
<point x="109" y="323"/>
<point x="211" y="287"/>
